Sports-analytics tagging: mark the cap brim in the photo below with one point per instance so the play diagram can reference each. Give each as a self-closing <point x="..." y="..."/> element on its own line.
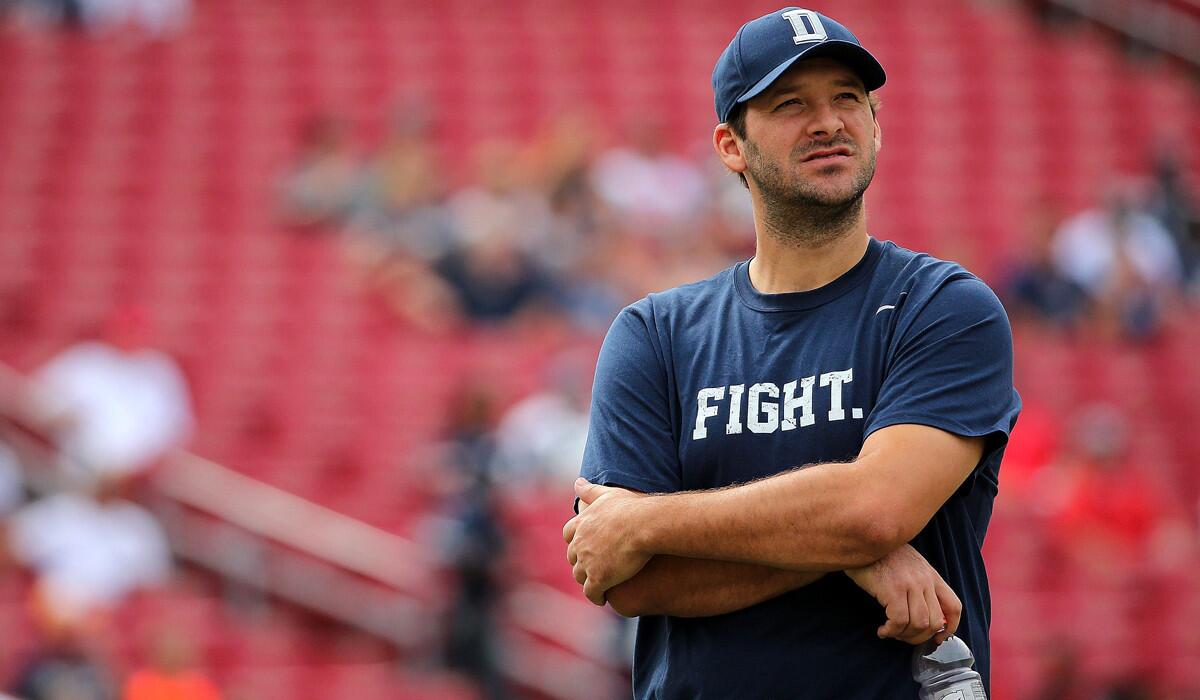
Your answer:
<point x="856" y="57"/>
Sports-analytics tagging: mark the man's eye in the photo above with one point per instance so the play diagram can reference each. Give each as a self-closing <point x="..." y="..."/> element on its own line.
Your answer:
<point x="849" y="95"/>
<point x="787" y="103"/>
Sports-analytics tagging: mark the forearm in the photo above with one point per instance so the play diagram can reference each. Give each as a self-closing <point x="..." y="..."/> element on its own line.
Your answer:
<point x="683" y="587"/>
<point x="828" y="517"/>
<point x="823" y="518"/>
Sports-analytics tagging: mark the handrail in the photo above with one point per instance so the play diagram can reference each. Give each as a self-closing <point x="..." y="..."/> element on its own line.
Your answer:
<point x="244" y="504"/>
<point x="566" y="619"/>
<point x="283" y="517"/>
<point x="1157" y="24"/>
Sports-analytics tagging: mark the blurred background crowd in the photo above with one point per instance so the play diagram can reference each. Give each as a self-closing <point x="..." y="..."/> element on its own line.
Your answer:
<point x="300" y="302"/>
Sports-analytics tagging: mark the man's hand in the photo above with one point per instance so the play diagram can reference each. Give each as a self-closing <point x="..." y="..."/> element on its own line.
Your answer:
<point x="600" y="543"/>
<point x="918" y="603"/>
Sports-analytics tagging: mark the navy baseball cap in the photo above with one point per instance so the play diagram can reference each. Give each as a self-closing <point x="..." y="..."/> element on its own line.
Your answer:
<point x="766" y="47"/>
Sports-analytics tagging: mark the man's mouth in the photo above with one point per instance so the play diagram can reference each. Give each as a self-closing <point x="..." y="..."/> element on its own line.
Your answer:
<point x="828" y="154"/>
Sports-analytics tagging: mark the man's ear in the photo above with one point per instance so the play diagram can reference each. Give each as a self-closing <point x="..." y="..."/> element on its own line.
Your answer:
<point x="878" y="134"/>
<point x="729" y="148"/>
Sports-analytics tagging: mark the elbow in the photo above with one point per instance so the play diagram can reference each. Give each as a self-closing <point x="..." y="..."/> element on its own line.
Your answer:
<point x="880" y="532"/>
<point x="879" y="539"/>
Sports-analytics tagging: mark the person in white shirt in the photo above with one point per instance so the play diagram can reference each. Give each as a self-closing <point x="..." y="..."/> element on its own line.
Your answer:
<point x="113" y="407"/>
<point x="87" y="551"/>
<point x="1123" y="259"/>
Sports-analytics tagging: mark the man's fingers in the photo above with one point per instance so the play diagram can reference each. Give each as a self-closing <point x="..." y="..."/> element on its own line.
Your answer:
<point x="951" y="609"/>
<point x="579" y="572"/>
<point x="918" y="616"/>
<point x="587" y="491"/>
<point x="569" y="529"/>
<point x="897" y="614"/>
<point x="935" y="614"/>
<point x="594" y="592"/>
<point x="572" y="555"/>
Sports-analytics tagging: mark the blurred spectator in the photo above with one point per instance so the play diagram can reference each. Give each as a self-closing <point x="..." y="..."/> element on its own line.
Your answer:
<point x="1124" y="261"/>
<point x="589" y="297"/>
<point x="501" y="225"/>
<point x="617" y="267"/>
<point x="560" y="162"/>
<point x="473" y="545"/>
<point x="113" y="406"/>
<point x="1172" y="204"/>
<point x="475" y="552"/>
<point x="64" y="669"/>
<point x="12" y="481"/>
<point x="1132" y="689"/>
<point x="532" y="240"/>
<point x="629" y="265"/>
<point x="541" y="438"/>
<point x="1033" y="447"/>
<point x="410" y="291"/>
<point x="1107" y="516"/>
<point x="1036" y="288"/>
<point x="67" y="13"/>
<point x="88" y="551"/>
<point x="504" y="204"/>
<point x="171" y="673"/>
<point x="714" y="247"/>
<point x="400" y="226"/>
<point x="324" y="185"/>
<point x="657" y="190"/>
<point x="471" y="442"/>
<point x="159" y="18"/>
<point x="1062" y="677"/>
<point x="402" y="210"/>
<point x="728" y="198"/>
<point x="494" y="281"/>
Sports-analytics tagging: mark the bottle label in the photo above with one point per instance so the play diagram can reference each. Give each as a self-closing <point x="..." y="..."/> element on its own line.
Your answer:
<point x="973" y="692"/>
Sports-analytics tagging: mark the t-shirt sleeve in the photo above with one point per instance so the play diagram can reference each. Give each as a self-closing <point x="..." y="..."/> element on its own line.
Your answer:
<point x="951" y="367"/>
<point x="630" y="442"/>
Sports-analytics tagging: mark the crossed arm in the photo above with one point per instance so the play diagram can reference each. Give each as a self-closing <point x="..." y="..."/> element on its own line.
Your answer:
<point x="685" y="587"/>
<point x="709" y="552"/>
<point x="917" y="602"/>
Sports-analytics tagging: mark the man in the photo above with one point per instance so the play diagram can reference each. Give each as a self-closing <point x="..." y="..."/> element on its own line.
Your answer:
<point x="887" y="371"/>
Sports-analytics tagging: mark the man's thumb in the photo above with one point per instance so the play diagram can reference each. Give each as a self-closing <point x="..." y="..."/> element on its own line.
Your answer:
<point x="587" y="491"/>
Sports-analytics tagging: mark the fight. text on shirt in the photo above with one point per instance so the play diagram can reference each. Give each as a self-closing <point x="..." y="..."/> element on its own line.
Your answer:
<point x="766" y="411"/>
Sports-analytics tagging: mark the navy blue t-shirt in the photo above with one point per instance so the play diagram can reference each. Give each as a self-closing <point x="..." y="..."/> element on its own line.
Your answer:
<point x="714" y="383"/>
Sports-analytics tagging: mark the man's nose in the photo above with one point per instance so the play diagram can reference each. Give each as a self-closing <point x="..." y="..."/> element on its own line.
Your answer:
<point x="825" y="122"/>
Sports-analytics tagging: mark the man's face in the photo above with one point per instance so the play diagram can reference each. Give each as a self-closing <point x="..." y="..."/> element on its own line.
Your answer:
<point x="811" y="137"/>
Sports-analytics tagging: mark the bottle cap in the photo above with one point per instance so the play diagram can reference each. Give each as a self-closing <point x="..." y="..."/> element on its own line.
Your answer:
<point x="929" y="659"/>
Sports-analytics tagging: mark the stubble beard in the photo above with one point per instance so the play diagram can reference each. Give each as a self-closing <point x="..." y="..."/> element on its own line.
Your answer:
<point x="797" y="212"/>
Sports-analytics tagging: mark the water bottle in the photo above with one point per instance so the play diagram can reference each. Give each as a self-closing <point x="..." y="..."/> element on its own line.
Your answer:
<point x="944" y="672"/>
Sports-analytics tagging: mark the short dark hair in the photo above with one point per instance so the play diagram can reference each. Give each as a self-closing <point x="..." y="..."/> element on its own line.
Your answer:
<point x="737" y="123"/>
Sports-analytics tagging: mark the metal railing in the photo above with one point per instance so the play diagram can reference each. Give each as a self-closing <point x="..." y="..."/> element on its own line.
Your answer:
<point x="380" y="583"/>
<point x="1164" y="26"/>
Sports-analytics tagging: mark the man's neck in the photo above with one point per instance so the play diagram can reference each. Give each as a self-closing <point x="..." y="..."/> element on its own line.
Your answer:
<point x="780" y="267"/>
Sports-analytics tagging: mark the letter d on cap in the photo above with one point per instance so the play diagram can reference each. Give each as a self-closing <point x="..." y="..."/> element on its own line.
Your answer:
<point x="806" y="26"/>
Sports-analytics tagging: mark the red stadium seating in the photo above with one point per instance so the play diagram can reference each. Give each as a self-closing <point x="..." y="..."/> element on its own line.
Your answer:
<point x="141" y="169"/>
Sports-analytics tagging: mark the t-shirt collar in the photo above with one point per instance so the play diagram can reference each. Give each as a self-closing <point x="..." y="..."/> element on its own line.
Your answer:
<point x="800" y="301"/>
